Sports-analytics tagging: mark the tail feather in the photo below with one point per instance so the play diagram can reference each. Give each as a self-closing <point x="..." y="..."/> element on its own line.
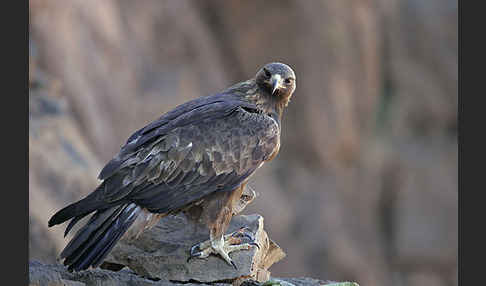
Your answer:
<point x="88" y="234"/>
<point x="81" y="208"/>
<point x="74" y="221"/>
<point x="94" y="241"/>
<point x="101" y="250"/>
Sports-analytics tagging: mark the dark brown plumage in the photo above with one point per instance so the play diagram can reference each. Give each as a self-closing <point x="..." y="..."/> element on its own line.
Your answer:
<point x="196" y="158"/>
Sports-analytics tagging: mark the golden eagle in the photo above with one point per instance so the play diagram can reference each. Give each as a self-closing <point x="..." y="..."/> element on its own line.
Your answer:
<point x="196" y="159"/>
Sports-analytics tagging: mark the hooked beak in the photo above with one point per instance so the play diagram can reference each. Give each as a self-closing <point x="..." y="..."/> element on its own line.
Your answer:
<point x="275" y="82"/>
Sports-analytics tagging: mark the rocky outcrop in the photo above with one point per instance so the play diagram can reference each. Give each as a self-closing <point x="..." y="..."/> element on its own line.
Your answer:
<point x="160" y="256"/>
<point x="57" y="275"/>
<point x="163" y="251"/>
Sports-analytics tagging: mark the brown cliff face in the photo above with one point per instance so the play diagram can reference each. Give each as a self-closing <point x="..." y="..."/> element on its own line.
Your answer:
<point x="62" y="166"/>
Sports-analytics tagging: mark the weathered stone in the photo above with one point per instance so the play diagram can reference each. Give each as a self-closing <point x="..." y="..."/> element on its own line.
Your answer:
<point x="53" y="275"/>
<point x="162" y="252"/>
<point x="40" y="275"/>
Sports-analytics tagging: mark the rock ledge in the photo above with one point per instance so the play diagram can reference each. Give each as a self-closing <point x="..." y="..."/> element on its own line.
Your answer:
<point x="57" y="275"/>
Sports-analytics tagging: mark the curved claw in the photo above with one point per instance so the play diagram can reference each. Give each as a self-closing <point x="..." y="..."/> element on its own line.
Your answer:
<point x="255" y="244"/>
<point x="244" y="231"/>
<point x="193" y="251"/>
<point x="249" y="236"/>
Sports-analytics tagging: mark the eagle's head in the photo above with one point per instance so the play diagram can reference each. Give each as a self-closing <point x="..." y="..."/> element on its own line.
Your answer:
<point x="277" y="80"/>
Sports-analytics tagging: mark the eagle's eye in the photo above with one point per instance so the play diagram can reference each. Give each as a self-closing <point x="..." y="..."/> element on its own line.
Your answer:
<point x="288" y="80"/>
<point x="267" y="72"/>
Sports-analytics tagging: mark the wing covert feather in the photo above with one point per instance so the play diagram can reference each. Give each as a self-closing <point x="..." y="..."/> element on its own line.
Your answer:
<point x="214" y="147"/>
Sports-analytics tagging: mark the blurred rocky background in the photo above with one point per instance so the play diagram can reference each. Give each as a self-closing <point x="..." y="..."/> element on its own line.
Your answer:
<point x="365" y="187"/>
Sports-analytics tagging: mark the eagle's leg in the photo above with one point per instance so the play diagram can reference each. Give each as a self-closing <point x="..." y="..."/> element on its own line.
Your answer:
<point x="217" y="212"/>
<point x="247" y="196"/>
